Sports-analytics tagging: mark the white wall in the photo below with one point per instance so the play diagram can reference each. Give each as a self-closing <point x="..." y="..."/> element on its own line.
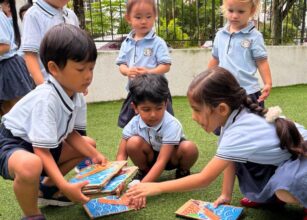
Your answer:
<point x="288" y="66"/>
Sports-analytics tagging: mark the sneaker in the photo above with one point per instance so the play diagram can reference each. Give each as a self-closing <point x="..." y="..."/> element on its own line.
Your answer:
<point x="139" y="175"/>
<point x="182" y="173"/>
<point x="84" y="163"/>
<point x="34" y="217"/>
<point x="50" y="196"/>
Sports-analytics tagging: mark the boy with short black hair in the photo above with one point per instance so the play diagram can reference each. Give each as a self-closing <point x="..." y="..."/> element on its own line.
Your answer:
<point x="154" y="139"/>
<point x="39" y="137"/>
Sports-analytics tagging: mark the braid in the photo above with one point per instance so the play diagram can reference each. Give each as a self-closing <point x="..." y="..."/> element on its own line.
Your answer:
<point x="253" y="106"/>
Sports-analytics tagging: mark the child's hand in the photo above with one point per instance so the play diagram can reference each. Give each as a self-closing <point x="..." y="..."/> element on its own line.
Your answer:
<point x="99" y="159"/>
<point x="132" y="72"/>
<point x="73" y="192"/>
<point x="137" y="203"/>
<point x="265" y="92"/>
<point x="120" y="189"/>
<point x="221" y="200"/>
<point x="143" y="189"/>
<point x="142" y="70"/>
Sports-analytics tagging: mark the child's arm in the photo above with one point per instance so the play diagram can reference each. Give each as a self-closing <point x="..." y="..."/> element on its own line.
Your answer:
<point x="163" y="157"/>
<point x="265" y="72"/>
<point x="213" y="62"/>
<point x="228" y="183"/>
<point x="72" y="191"/>
<point x="4" y="48"/>
<point x="75" y="140"/>
<point x="160" y="69"/>
<point x="213" y="169"/>
<point x="32" y="62"/>
<point x="122" y="153"/>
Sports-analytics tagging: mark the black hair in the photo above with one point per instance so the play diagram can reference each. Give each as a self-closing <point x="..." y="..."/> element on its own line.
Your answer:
<point x="67" y="42"/>
<point x="217" y="85"/>
<point x="149" y="87"/>
<point x="23" y="9"/>
<point x="131" y="3"/>
<point x="12" y="5"/>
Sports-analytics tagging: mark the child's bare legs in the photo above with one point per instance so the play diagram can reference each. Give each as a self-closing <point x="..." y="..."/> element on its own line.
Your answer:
<point x="69" y="158"/>
<point x="140" y="152"/>
<point x="26" y="169"/>
<point x="185" y="155"/>
<point x="286" y="197"/>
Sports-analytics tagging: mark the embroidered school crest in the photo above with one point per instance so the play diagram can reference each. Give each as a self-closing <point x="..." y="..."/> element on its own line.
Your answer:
<point x="245" y="43"/>
<point x="158" y="138"/>
<point x="147" y="52"/>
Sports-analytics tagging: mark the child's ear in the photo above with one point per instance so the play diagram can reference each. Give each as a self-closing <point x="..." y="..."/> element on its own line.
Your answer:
<point x="223" y="109"/>
<point x="134" y="107"/>
<point x="127" y="17"/>
<point x="53" y="68"/>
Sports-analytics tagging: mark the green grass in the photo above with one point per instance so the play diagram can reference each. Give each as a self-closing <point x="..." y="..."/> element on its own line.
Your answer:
<point x="102" y="120"/>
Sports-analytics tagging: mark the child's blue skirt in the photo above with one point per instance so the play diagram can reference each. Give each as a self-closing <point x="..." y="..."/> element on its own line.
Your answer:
<point x="262" y="185"/>
<point x="15" y="80"/>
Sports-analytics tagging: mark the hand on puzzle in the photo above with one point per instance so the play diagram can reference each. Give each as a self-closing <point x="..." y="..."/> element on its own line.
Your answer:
<point x="100" y="159"/>
<point x="222" y="199"/>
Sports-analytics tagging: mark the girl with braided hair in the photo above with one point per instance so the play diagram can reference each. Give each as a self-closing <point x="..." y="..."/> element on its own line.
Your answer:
<point x="256" y="145"/>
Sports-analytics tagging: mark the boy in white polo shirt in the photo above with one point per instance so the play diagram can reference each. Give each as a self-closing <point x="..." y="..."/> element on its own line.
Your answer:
<point x="154" y="139"/>
<point x="39" y="137"/>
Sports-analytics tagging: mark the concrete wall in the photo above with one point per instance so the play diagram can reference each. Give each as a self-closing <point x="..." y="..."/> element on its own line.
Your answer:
<point x="288" y="65"/>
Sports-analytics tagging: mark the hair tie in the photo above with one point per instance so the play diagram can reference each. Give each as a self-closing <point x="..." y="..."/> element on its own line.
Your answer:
<point x="273" y="113"/>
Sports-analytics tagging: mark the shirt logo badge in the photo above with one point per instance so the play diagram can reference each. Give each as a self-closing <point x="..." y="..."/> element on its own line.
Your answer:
<point x="158" y="138"/>
<point x="246" y="43"/>
<point x="147" y="52"/>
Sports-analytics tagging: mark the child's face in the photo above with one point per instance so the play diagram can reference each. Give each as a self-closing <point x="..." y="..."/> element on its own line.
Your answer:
<point x="207" y="117"/>
<point x="238" y="13"/>
<point x="75" y="77"/>
<point x="141" y="18"/>
<point x="151" y="113"/>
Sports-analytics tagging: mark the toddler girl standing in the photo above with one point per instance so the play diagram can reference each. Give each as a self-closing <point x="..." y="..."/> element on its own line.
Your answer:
<point x="143" y="52"/>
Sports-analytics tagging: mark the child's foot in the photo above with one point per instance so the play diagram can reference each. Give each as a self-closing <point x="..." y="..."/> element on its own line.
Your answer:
<point x="51" y="196"/>
<point x="251" y="204"/>
<point x="84" y="163"/>
<point x="181" y="173"/>
<point x="34" y="217"/>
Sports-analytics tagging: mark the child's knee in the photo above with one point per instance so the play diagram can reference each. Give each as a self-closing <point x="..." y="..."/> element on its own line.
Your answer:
<point x="90" y="140"/>
<point x="189" y="149"/>
<point x="135" y="143"/>
<point x="286" y="197"/>
<point x="29" y="168"/>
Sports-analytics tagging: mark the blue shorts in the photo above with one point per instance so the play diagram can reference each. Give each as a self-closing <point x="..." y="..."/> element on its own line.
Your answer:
<point x="9" y="144"/>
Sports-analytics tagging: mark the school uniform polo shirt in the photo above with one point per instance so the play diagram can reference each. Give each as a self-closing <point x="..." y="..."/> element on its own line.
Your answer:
<point x="168" y="131"/>
<point x="249" y="137"/>
<point x="7" y="36"/>
<point x="38" y="20"/>
<point x="148" y="52"/>
<point x="237" y="52"/>
<point x="46" y="115"/>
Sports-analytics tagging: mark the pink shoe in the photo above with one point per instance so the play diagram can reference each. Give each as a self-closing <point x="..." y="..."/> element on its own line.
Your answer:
<point x="305" y="214"/>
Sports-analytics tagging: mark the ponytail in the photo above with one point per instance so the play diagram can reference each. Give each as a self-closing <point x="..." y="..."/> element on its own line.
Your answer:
<point x="15" y="22"/>
<point x="290" y="137"/>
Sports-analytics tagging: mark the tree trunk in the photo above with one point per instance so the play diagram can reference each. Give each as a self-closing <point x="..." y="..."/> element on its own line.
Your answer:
<point x="276" y="22"/>
<point x="79" y="10"/>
